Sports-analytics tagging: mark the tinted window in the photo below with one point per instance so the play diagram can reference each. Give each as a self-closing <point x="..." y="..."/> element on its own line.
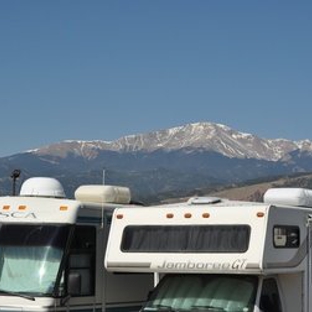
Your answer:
<point x="33" y="235"/>
<point x="270" y="299"/>
<point x="82" y="260"/>
<point x="205" y="238"/>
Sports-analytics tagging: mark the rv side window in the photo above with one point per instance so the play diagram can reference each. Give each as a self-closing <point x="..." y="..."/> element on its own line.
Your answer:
<point x="81" y="267"/>
<point x="178" y="238"/>
<point x="270" y="299"/>
<point x="286" y="236"/>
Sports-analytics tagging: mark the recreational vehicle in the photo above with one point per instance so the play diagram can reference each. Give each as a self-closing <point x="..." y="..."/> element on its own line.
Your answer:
<point x="52" y="251"/>
<point x="211" y="254"/>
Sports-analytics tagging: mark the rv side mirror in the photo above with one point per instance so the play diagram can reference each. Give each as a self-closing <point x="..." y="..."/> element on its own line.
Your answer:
<point x="74" y="284"/>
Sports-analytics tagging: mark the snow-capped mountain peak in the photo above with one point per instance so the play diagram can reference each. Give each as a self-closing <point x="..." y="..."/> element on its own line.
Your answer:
<point x="202" y="135"/>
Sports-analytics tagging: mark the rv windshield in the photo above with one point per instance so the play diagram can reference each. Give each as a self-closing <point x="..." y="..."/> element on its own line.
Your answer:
<point x="30" y="257"/>
<point x="203" y="292"/>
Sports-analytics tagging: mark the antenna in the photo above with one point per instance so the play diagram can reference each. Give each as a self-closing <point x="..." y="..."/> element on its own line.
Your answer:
<point x="103" y="182"/>
<point x="104" y="176"/>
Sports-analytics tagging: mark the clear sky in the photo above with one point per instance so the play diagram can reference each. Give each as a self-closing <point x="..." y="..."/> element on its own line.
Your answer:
<point x="102" y="69"/>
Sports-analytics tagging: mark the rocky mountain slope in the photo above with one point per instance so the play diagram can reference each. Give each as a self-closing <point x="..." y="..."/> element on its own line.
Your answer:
<point x="203" y="136"/>
<point x="168" y="162"/>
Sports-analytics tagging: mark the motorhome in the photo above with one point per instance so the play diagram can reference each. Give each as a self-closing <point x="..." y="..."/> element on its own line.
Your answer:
<point x="52" y="250"/>
<point x="212" y="254"/>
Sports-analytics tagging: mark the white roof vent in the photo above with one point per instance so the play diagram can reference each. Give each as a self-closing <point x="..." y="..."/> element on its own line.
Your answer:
<point x="203" y="200"/>
<point x="299" y="197"/>
<point x="42" y="187"/>
<point x="103" y="194"/>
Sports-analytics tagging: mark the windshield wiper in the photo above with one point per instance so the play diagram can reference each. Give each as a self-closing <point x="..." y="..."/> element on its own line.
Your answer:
<point x="207" y="308"/>
<point x="12" y="293"/>
<point x="160" y="307"/>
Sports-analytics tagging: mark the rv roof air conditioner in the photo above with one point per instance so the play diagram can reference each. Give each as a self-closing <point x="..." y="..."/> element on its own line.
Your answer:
<point x="299" y="197"/>
<point x="42" y="187"/>
<point x="103" y="194"/>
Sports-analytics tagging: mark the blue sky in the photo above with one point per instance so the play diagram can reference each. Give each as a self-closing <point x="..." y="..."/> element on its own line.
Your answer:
<point x="99" y="70"/>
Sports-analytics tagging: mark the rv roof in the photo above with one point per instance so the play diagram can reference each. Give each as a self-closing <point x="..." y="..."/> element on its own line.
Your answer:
<point x="218" y="203"/>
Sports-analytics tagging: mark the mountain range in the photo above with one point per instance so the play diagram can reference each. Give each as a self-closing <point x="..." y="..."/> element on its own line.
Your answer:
<point x="163" y="163"/>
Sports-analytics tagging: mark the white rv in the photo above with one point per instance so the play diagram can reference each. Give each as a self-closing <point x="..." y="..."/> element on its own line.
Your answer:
<point x="217" y="255"/>
<point x="52" y="251"/>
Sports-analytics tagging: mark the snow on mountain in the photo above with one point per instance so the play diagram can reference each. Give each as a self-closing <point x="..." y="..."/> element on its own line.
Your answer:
<point x="85" y="149"/>
<point x="191" y="137"/>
